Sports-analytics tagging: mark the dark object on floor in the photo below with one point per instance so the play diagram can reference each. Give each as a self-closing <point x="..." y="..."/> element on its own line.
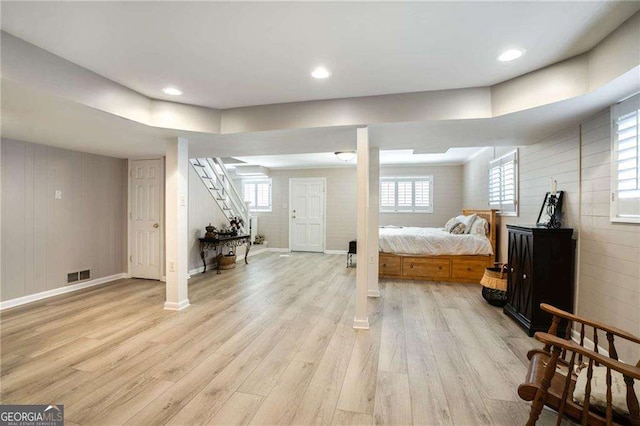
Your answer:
<point x="584" y="385"/>
<point x="352" y="250"/>
<point x="494" y="297"/>
<point x="494" y="285"/>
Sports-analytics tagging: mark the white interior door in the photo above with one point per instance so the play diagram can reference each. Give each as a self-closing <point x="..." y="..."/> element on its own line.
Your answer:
<point x="307" y="214"/>
<point x="145" y="218"/>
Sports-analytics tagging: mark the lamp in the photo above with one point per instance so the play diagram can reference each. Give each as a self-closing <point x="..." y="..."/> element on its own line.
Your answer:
<point x="346" y="155"/>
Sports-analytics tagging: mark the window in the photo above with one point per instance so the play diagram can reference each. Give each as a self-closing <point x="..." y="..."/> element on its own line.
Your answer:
<point x="625" y="161"/>
<point x="257" y="192"/>
<point x="503" y="184"/>
<point x="406" y="194"/>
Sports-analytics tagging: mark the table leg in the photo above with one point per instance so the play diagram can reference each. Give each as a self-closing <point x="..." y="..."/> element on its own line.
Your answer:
<point x="204" y="262"/>
<point x="246" y="253"/>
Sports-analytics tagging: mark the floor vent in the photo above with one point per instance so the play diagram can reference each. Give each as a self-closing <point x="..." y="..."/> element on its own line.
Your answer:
<point x="72" y="277"/>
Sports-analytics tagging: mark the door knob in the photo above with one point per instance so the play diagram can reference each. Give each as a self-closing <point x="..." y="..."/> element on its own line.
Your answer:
<point x="156" y="225"/>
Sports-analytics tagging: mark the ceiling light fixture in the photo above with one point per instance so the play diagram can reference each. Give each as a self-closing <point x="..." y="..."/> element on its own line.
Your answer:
<point x="320" y="73"/>
<point x="510" y="55"/>
<point x="346" y="155"/>
<point x="172" y="91"/>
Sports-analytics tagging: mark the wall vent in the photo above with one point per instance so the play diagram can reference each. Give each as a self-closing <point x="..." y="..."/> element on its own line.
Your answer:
<point x="73" y="277"/>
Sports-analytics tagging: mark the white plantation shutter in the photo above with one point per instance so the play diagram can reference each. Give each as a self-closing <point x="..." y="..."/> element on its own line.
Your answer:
<point x="387" y="193"/>
<point x="406" y="194"/>
<point x="625" y="161"/>
<point x="258" y="193"/>
<point x="503" y="183"/>
<point x="422" y="193"/>
<point x="249" y="193"/>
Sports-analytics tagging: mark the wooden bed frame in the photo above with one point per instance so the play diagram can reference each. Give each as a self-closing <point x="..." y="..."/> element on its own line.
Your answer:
<point x="451" y="268"/>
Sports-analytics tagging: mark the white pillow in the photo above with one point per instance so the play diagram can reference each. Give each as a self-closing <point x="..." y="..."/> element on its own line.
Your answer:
<point x="467" y="221"/>
<point x="450" y="224"/>
<point x="480" y="227"/>
<point x="458" y="229"/>
<point x="598" y="396"/>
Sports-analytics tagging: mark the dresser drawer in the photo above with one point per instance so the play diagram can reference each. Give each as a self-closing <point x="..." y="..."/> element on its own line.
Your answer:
<point x="468" y="268"/>
<point x="424" y="267"/>
<point x="389" y="265"/>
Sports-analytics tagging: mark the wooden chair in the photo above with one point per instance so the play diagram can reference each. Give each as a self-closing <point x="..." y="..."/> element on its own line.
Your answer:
<point x="551" y="378"/>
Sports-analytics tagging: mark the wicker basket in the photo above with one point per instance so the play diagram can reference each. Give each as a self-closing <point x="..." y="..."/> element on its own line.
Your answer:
<point x="226" y="262"/>
<point x="494" y="285"/>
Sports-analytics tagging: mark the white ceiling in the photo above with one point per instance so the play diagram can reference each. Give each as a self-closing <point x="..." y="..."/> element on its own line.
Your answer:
<point x="228" y="54"/>
<point x="387" y="157"/>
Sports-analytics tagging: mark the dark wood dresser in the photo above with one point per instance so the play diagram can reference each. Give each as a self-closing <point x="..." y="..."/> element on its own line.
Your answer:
<point x="540" y="271"/>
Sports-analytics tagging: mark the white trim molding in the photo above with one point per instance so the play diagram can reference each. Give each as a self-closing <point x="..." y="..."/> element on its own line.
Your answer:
<point x="172" y="306"/>
<point x="60" y="290"/>
<point x="280" y="250"/>
<point x="373" y="293"/>
<point x="335" y="252"/>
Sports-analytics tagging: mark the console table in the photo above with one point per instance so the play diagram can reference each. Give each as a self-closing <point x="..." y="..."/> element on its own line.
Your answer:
<point x="216" y="244"/>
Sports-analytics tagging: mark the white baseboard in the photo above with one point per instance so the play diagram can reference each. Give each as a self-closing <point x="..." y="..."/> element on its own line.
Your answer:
<point x="58" y="291"/>
<point x="335" y="252"/>
<point x="361" y="324"/>
<point x="173" y="306"/>
<point x="588" y="343"/>
<point x="279" y="250"/>
<point x="373" y="293"/>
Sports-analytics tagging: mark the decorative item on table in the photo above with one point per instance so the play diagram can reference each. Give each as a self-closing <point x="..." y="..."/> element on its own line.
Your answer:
<point x="259" y="239"/>
<point x="236" y="223"/>
<point x="550" y="214"/>
<point x="211" y="232"/>
<point x="494" y="285"/>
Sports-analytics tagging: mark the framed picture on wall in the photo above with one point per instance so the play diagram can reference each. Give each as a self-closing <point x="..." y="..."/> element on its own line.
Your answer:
<point x="551" y="211"/>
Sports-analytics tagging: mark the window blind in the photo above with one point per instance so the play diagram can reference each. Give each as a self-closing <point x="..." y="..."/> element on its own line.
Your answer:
<point x="503" y="183"/>
<point x="257" y="192"/>
<point x="406" y="194"/>
<point x="625" y="162"/>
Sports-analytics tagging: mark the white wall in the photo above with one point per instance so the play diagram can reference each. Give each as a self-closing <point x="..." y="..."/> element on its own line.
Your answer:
<point x="447" y="195"/>
<point x="609" y="267"/>
<point x="43" y="239"/>
<point x="608" y="254"/>
<point x="341" y="206"/>
<point x="202" y="211"/>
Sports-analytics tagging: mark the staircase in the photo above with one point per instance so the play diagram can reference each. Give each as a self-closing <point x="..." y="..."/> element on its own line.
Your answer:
<point x="215" y="177"/>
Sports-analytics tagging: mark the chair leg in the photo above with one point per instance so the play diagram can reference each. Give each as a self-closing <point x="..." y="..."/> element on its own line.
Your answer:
<point x="541" y="394"/>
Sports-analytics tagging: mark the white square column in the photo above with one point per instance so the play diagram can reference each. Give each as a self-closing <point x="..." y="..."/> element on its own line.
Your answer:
<point x="373" y="222"/>
<point x="176" y="227"/>
<point x="361" y="320"/>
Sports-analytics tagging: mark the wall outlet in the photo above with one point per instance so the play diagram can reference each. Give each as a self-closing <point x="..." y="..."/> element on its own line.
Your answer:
<point x="172" y="267"/>
<point x="372" y="259"/>
<point x="58" y="194"/>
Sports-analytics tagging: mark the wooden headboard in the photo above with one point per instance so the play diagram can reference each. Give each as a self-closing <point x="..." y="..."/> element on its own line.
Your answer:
<point x="492" y="219"/>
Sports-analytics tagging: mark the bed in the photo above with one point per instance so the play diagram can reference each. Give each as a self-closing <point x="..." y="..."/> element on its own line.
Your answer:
<point x="417" y="253"/>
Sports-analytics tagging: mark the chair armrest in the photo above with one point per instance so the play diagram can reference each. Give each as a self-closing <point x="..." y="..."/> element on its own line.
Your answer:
<point x="571" y="317"/>
<point x="569" y="345"/>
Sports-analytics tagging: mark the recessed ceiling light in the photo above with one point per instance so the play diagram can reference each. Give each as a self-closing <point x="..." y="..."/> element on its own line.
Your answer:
<point x="172" y="91"/>
<point x="321" y="72"/>
<point x="510" y="55"/>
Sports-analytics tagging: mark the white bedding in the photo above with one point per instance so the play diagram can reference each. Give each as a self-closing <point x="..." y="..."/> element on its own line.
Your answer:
<point x="431" y="242"/>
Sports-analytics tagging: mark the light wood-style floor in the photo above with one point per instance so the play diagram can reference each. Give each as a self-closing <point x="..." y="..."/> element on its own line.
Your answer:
<point x="268" y="343"/>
